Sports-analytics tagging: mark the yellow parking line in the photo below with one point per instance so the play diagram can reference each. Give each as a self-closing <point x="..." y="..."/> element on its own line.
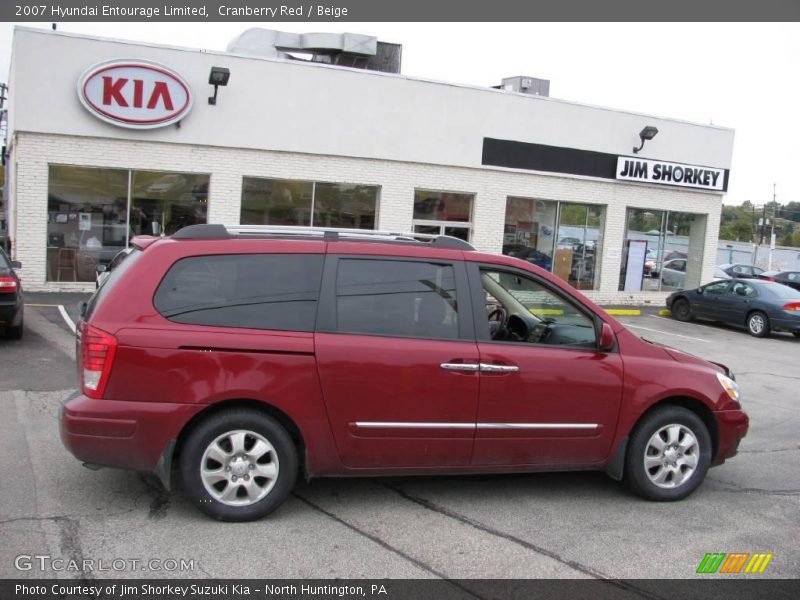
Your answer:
<point x="665" y="312"/>
<point x="624" y="312"/>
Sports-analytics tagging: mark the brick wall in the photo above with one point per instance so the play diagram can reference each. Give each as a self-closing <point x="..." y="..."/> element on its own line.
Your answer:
<point x="32" y="153"/>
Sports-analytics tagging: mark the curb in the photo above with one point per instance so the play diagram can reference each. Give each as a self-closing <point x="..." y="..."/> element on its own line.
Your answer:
<point x="623" y="312"/>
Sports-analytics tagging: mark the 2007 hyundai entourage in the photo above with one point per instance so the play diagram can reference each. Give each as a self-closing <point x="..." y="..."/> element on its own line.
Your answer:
<point x="242" y="356"/>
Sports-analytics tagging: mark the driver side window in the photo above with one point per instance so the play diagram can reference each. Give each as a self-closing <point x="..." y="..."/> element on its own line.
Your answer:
<point x="520" y="309"/>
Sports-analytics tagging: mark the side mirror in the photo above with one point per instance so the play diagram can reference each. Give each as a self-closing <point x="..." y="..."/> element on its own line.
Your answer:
<point x="101" y="268"/>
<point x="15" y="264"/>
<point x="607" y="338"/>
<point x="700" y="291"/>
<point x="82" y="308"/>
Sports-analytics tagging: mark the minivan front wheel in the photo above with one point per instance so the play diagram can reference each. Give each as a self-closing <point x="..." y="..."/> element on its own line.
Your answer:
<point x="668" y="455"/>
<point x="238" y="465"/>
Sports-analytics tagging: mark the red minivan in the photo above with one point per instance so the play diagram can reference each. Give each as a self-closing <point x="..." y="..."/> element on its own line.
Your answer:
<point x="241" y="356"/>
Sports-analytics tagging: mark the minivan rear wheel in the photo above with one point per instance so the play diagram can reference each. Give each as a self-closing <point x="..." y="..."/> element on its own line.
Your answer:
<point x="238" y="465"/>
<point x="668" y="455"/>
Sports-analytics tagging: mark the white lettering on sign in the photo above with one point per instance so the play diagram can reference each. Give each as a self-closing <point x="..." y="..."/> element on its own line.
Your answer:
<point x="137" y="94"/>
<point x="657" y="171"/>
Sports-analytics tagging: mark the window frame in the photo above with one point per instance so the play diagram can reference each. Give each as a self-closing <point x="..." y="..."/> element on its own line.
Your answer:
<point x="326" y="309"/>
<point x="482" y="324"/>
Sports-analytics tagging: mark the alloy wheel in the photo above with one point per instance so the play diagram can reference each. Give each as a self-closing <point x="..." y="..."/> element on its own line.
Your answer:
<point x="671" y="456"/>
<point x="239" y="468"/>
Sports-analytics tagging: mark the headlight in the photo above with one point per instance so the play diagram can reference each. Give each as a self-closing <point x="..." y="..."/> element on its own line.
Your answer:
<point x="730" y="386"/>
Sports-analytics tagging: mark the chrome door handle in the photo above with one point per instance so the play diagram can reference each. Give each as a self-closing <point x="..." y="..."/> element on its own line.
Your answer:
<point x="460" y="366"/>
<point x="498" y="368"/>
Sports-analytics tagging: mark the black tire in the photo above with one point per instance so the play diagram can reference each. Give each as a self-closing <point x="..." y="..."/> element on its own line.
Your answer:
<point x="216" y="434"/>
<point x="682" y="310"/>
<point x="796" y="334"/>
<point x="14" y="333"/>
<point x="758" y="324"/>
<point x="677" y="481"/>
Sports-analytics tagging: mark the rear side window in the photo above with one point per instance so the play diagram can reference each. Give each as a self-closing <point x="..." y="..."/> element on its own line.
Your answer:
<point x="396" y="298"/>
<point x="258" y="291"/>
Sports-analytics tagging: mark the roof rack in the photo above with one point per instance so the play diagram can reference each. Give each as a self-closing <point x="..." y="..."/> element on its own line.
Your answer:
<point x="217" y="231"/>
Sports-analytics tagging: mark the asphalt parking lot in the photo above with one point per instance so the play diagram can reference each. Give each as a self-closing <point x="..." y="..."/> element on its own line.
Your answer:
<point x="555" y="525"/>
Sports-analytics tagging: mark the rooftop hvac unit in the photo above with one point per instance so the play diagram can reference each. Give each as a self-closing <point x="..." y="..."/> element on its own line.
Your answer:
<point x="526" y="85"/>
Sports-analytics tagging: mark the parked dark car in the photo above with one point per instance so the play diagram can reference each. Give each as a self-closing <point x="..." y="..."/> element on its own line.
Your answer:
<point x="532" y="255"/>
<point x="790" y="278"/>
<point x="11" y="301"/>
<point x="244" y="356"/>
<point x="103" y="271"/>
<point x="760" y="306"/>
<point x="741" y="271"/>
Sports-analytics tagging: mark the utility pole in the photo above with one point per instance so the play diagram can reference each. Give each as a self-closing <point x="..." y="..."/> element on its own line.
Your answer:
<point x="772" y="231"/>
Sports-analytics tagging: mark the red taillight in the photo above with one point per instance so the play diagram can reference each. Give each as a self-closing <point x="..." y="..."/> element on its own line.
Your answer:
<point x="8" y="284"/>
<point x="767" y="278"/>
<point x="97" y="349"/>
<point x="792" y="306"/>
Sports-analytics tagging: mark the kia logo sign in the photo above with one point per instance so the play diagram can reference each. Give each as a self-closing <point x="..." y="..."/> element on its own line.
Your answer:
<point x="137" y="94"/>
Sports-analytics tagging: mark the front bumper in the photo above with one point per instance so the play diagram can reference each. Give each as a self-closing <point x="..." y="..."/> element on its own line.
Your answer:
<point x="113" y="433"/>
<point x="732" y="426"/>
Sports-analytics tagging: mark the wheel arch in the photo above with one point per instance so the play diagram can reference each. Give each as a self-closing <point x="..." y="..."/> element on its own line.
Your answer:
<point x="270" y="410"/>
<point x="616" y="465"/>
<point x="694" y="405"/>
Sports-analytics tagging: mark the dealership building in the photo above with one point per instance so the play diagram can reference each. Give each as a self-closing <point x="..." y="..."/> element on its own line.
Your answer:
<point x="108" y="139"/>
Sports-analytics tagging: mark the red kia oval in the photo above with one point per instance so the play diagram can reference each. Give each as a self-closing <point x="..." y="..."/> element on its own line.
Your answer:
<point x="136" y="94"/>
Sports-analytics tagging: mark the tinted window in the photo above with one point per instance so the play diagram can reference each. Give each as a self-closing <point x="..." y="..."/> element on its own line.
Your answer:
<point x="394" y="297"/>
<point x="259" y="291"/>
<point x="715" y="289"/>
<point x="742" y="289"/>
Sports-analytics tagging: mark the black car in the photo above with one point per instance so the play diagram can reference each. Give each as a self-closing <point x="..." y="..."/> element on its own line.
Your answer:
<point x="10" y="297"/>
<point x="741" y="270"/>
<point x="532" y="255"/>
<point x="760" y="306"/>
<point x="790" y="278"/>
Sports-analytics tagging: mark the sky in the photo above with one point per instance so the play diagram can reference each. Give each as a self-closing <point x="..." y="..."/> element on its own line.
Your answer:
<point x="739" y="75"/>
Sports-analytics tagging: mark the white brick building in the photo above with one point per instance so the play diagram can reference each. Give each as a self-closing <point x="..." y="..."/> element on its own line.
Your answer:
<point x="297" y="143"/>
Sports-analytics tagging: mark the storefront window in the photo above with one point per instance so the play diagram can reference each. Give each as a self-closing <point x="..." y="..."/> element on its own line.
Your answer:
<point x="88" y="209"/>
<point x="165" y="202"/>
<point x="580" y="245"/>
<point x="276" y="202"/>
<point x="663" y="250"/>
<point x="564" y="238"/>
<point x="344" y="205"/>
<point x="443" y="213"/>
<point x="284" y="202"/>
<point x="86" y="220"/>
<point x="529" y="232"/>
